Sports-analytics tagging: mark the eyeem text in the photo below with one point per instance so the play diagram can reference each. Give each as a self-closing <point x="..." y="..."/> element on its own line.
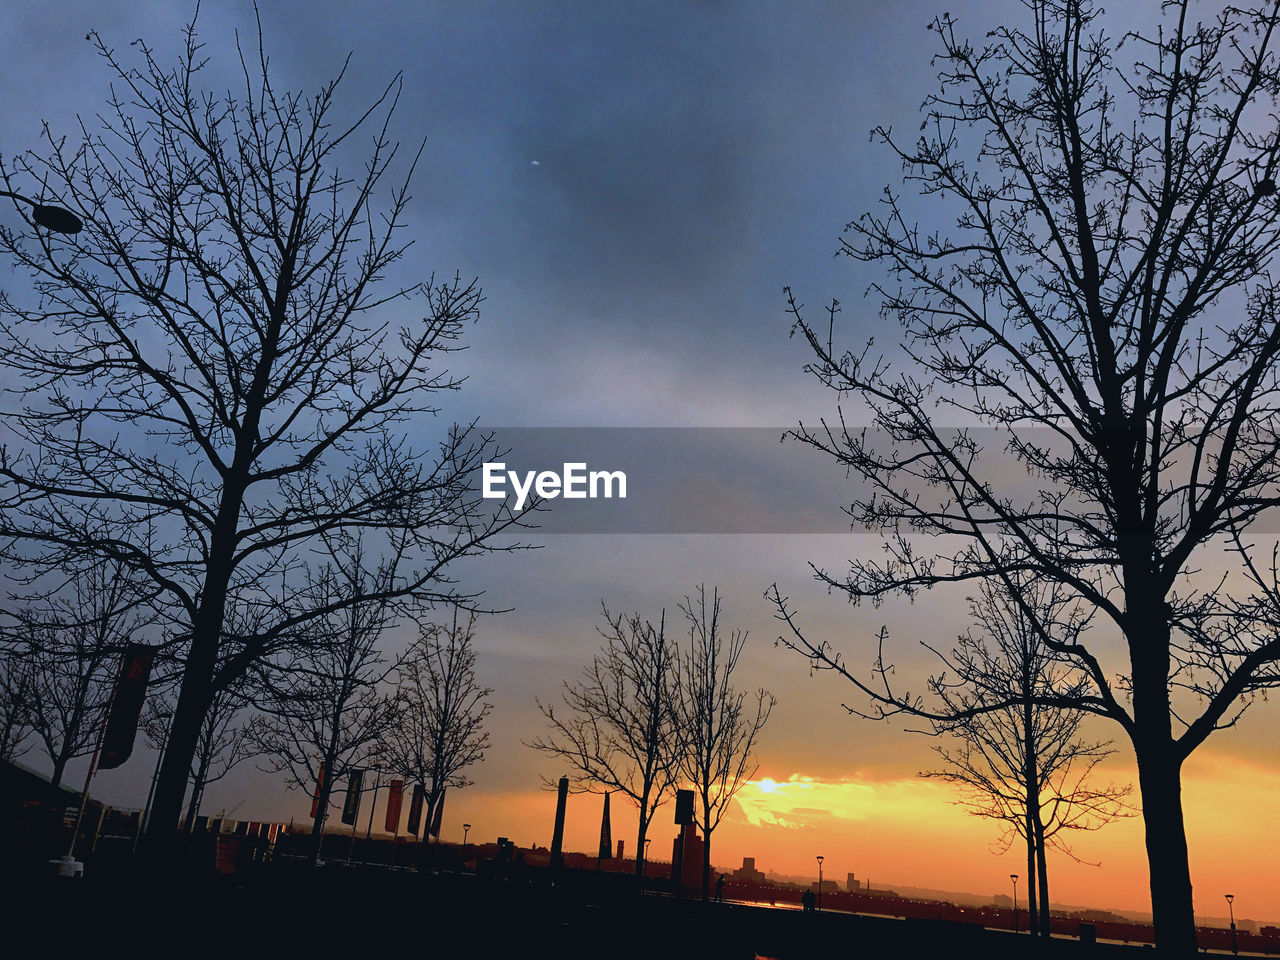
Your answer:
<point x="575" y="482"/>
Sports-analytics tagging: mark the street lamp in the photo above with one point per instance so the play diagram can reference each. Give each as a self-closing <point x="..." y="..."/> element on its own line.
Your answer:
<point x="1014" y="878"/>
<point x="644" y="868"/>
<point x="819" y="884"/>
<point x="48" y="216"/>
<point x="1230" y="901"/>
<point x="466" y="828"/>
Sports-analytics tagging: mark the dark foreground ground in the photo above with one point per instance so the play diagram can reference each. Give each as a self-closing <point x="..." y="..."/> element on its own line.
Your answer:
<point x="292" y="910"/>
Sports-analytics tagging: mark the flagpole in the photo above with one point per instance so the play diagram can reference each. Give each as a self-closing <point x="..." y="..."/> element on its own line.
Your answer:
<point x="377" y="782"/>
<point x="93" y="768"/>
<point x="151" y="793"/>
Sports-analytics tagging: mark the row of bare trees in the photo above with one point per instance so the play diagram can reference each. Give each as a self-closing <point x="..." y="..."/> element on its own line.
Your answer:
<point x="650" y="713"/>
<point x="338" y="704"/>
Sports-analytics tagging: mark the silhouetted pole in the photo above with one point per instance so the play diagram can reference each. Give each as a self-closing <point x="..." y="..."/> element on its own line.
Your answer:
<point x="1230" y="901"/>
<point x="557" y="838"/>
<point x="377" y="782"/>
<point x="819" y="884"/>
<point x="1014" y="878"/>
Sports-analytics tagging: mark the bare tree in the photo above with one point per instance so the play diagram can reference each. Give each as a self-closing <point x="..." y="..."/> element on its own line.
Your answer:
<point x="327" y="712"/>
<point x="618" y="728"/>
<point x="1105" y="310"/>
<point x="719" y="723"/>
<point x="1025" y="765"/>
<point x="438" y="731"/>
<point x="70" y="643"/>
<point x="224" y="741"/>
<point x="16" y="703"/>
<point x="221" y="367"/>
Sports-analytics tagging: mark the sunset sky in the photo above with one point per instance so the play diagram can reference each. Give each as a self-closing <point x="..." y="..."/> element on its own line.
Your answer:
<point x="633" y="185"/>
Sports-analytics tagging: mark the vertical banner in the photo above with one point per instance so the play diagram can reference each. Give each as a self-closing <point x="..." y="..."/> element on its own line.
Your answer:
<point x="126" y="705"/>
<point x="415" y="809"/>
<point x="395" y="798"/>
<point x="437" y="815"/>
<point x="355" y="784"/>
<point x="606" y="834"/>
<point x="315" y="797"/>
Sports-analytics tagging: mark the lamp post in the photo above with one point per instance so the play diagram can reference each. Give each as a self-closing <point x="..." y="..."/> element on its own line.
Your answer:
<point x="1230" y="907"/>
<point x="644" y="867"/>
<point x="819" y="884"/>
<point x="1014" y="878"/>
<point x="466" y="828"/>
<point x="48" y="216"/>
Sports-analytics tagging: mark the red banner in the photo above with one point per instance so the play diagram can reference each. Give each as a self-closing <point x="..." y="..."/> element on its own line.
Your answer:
<point x="437" y="816"/>
<point x="315" y="797"/>
<point x="415" y="809"/>
<point x="395" y="797"/>
<point x="126" y="706"/>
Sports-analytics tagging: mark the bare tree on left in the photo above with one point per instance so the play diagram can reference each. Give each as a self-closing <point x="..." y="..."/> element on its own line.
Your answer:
<point x="224" y="365"/>
<point x="65" y="647"/>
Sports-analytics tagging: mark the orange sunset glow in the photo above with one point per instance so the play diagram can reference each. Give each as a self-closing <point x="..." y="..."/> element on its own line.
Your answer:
<point x="908" y="832"/>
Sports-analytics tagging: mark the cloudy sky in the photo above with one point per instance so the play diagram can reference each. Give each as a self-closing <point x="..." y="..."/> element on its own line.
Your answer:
<point x="633" y="185"/>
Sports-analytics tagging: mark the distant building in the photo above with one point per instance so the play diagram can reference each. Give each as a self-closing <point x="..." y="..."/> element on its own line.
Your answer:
<point x="851" y="884"/>
<point x="748" y="873"/>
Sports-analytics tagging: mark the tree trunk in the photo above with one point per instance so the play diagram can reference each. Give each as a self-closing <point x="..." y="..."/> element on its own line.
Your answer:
<point x="1042" y="866"/>
<point x="1160" y="780"/>
<point x="640" y="835"/>
<point x="59" y="768"/>
<point x="706" y="864"/>
<point x="1031" y="786"/>
<point x="195" y="693"/>
<point x="1032" y="927"/>
<point x="197" y="794"/>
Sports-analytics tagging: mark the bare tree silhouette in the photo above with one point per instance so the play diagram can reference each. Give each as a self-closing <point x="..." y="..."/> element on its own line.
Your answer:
<point x="1105" y="309"/>
<point x="438" y="731"/>
<point x="1026" y="765"/>
<point x="223" y="365"/>
<point x="618" y="728"/>
<point x="326" y="712"/>
<point x="17" y="682"/>
<point x="69" y="643"/>
<point x="224" y="741"/>
<point x="719" y="724"/>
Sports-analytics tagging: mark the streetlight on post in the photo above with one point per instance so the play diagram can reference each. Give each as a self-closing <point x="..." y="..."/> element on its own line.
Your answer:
<point x="820" y="884"/>
<point x="466" y="829"/>
<point x="58" y="219"/>
<point x="1230" y="907"/>
<point x="1014" y="878"/>
<point x="644" y="868"/>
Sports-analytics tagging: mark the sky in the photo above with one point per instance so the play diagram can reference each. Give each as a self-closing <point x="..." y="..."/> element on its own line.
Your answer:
<point x="633" y="185"/>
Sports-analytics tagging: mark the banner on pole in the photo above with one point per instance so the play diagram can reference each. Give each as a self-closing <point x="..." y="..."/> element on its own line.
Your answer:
<point x="437" y="816"/>
<point x="126" y="705"/>
<point x="415" y="809"/>
<point x="355" y="784"/>
<point x="315" y="797"/>
<point x="395" y="797"/>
